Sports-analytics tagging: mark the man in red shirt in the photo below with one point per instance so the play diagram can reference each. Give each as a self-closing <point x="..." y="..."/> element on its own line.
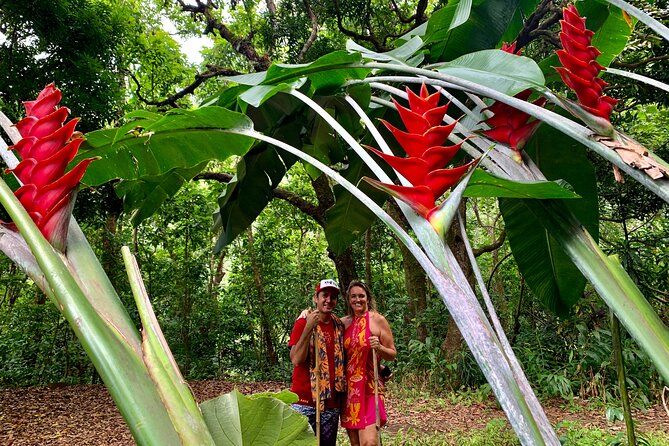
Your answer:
<point x="320" y="333"/>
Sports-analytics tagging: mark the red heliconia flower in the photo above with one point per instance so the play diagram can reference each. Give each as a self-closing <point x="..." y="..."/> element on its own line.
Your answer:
<point x="48" y="145"/>
<point x="422" y="142"/>
<point x="509" y="125"/>
<point x="580" y="68"/>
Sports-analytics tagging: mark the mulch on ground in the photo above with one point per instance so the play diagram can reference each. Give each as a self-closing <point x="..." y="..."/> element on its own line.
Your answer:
<point x="85" y="414"/>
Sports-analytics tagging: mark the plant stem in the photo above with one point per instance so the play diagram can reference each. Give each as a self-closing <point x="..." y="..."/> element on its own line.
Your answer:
<point x="620" y="367"/>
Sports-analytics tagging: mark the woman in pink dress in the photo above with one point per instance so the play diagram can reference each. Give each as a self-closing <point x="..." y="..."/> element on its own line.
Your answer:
<point x="366" y="333"/>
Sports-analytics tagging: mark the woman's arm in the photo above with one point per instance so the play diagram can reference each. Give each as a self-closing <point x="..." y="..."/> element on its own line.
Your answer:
<point x="384" y="343"/>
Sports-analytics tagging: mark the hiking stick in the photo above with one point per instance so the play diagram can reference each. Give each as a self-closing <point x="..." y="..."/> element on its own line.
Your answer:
<point x="318" y="387"/>
<point x="376" y="396"/>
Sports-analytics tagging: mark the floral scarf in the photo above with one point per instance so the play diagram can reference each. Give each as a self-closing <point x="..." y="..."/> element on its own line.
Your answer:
<point x="324" y="370"/>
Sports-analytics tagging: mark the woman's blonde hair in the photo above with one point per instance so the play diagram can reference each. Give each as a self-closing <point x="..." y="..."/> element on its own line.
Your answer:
<point x="371" y="304"/>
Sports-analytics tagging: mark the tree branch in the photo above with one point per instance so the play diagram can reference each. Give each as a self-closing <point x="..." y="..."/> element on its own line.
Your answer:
<point x="212" y="71"/>
<point x="538" y="24"/>
<point x="641" y="62"/>
<point x="364" y="37"/>
<point x="314" y="31"/>
<point x="297" y="201"/>
<point x="242" y="45"/>
<point x="491" y="247"/>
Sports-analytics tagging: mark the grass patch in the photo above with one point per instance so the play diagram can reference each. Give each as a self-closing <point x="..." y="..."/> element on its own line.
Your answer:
<point x="498" y="433"/>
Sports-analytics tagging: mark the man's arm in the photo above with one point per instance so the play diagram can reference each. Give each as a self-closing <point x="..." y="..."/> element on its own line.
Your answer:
<point x="300" y="351"/>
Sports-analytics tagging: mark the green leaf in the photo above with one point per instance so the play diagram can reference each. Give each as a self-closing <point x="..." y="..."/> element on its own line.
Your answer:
<point x="236" y="420"/>
<point x="559" y="157"/>
<point x="504" y="72"/>
<point x="249" y="192"/>
<point x="401" y="54"/>
<point x="169" y="383"/>
<point x="483" y="184"/>
<point x="547" y="269"/>
<point x="549" y="272"/>
<point x="348" y="219"/>
<point x="325" y="73"/>
<point x="609" y="279"/>
<point x="487" y="23"/>
<point x="109" y="342"/>
<point x="255" y="96"/>
<point x="462" y="12"/>
<point x="144" y="196"/>
<point x="179" y="139"/>
<point x="285" y="396"/>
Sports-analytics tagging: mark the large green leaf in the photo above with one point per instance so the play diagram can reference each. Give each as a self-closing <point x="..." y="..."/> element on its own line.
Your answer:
<point x="169" y="383"/>
<point x="249" y="192"/>
<point x="483" y="184"/>
<point x="160" y="143"/>
<point x="236" y="420"/>
<point x="506" y="73"/>
<point x="144" y="196"/>
<point x="325" y="73"/>
<point x="609" y="279"/>
<point x="487" y="22"/>
<point x="404" y="54"/>
<point x="549" y="272"/>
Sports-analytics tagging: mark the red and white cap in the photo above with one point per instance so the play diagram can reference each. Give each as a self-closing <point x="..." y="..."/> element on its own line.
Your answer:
<point x="326" y="283"/>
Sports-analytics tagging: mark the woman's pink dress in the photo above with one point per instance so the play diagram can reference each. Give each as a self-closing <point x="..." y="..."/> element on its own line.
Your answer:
<point x="360" y="411"/>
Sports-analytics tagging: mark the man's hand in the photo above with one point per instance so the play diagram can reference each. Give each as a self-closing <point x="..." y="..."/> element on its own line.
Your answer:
<point x="312" y="319"/>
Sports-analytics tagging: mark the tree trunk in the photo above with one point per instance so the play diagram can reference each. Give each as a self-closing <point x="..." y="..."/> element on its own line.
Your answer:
<point x="266" y="332"/>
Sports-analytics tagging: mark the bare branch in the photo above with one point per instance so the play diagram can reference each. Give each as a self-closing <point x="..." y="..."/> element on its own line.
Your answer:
<point x="378" y="46"/>
<point x="395" y="7"/>
<point x="212" y="71"/>
<point x="205" y="12"/>
<point x="297" y="201"/>
<point x="491" y="247"/>
<point x="641" y="62"/>
<point x="538" y="25"/>
<point x="314" y="31"/>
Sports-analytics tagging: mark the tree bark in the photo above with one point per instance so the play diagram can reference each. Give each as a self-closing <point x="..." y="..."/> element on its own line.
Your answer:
<point x="344" y="261"/>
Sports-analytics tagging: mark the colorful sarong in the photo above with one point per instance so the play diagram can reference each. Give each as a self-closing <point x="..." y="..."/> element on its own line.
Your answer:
<point x="359" y="411"/>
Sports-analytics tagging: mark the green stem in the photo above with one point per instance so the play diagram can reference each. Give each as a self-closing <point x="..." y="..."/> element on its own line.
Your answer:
<point x="114" y="358"/>
<point x="620" y="368"/>
<point x="175" y="393"/>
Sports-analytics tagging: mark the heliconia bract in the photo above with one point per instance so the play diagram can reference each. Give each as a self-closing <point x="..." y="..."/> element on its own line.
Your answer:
<point x="47" y="146"/>
<point x="424" y="166"/>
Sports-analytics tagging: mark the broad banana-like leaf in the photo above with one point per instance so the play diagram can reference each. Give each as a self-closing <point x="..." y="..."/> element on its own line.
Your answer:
<point x="238" y="420"/>
<point x="487" y="22"/>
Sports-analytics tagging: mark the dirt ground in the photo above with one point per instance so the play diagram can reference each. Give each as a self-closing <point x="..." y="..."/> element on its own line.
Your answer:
<point x="85" y="414"/>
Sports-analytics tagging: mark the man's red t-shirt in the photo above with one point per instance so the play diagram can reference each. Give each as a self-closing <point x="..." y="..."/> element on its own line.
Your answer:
<point x="301" y="384"/>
